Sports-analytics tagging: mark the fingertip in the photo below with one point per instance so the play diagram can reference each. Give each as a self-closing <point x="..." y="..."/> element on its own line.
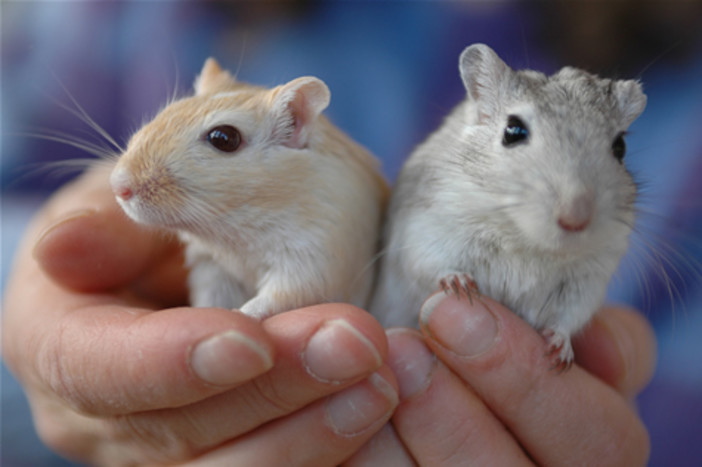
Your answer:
<point x="464" y="325"/>
<point x="48" y="230"/>
<point x="338" y="351"/>
<point x="357" y="409"/>
<point x="411" y="361"/>
<point x="619" y="347"/>
<point x="222" y="348"/>
<point x="352" y="322"/>
<point x="93" y="249"/>
<point x="50" y="238"/>
<point x="475" y="335"/>
<point x="230" y="358"/>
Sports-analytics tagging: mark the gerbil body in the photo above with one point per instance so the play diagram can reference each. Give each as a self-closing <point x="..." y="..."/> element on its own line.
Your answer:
<point x="277" y="207"/>
<point x="523" y="191"/>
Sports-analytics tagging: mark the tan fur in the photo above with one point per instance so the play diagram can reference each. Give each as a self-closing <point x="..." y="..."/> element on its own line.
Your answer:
<point x="293" y="216"/>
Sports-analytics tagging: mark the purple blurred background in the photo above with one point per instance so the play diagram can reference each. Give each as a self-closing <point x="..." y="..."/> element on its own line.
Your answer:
<point x="392" y="70"/>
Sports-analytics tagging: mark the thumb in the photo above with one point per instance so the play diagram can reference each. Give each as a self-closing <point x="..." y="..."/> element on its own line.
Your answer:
<point x="96" y="250"/>
<point x="86" y="243"/>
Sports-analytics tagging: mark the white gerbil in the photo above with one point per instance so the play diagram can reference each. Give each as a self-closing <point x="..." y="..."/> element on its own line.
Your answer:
<point x="523" y="191"/>
<point x="277" y="207"/>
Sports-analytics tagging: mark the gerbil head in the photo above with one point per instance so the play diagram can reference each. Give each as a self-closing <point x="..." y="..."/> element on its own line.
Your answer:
<point x="547" y="153"/>
<point x="229" y="147"/>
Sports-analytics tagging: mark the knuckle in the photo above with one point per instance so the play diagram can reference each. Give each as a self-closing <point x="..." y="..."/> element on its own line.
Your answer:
<point x="55" y="366"/>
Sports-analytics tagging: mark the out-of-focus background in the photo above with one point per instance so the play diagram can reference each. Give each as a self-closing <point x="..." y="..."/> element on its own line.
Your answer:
<point x="392" y="70"/>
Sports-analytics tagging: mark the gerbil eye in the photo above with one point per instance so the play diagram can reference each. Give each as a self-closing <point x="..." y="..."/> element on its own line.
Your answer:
<point x="619" y="147"/>
<point x="515" y="131"/>
<point x="226" y="138"/>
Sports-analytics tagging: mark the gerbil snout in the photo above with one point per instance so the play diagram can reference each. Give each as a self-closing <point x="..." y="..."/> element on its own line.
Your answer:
<point x="121" y="184"/>
<point x="576" y="214"/>
<point x="149" y="196"/>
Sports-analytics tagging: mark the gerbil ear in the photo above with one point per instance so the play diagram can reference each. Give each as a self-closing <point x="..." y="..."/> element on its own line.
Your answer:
<point x="630" y="99"/>
<point x="296" y="106"/>
<point x="211" y="78"/>
<point x="483" y="74"/>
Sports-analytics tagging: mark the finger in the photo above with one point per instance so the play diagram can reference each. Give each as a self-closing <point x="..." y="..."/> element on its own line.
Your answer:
<point x="86" y="243"/>
<point x="319" y="351"/>
<point x="619" y="347"/>
<point x="504" y="361"/>
<point x="106" y="359"/>
<point x="440" y="420"/>
<point x="94" y="251"/>
<point x="384" y="448"/>
<point x="324" y="433"/>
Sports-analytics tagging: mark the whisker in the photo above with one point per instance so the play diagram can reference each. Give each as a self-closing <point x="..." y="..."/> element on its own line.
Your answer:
<point x="70" y="140"/>
<point x="56" y="169"/>
<point x="173" y="95"/>
<point x="241" y="55"/>
<point x="674" y="270"/>
<point x="78" y="111"/>
<point x="658" y="57"/>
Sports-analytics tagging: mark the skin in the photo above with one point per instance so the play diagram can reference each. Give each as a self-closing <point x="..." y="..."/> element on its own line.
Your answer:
<point x="110" y="381"/>
<point x="502" y="404"/>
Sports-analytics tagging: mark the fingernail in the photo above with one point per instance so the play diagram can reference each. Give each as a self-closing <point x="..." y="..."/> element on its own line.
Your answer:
<point x="229" y="358"/>
<point x="464" y="327"/>
<point x="338" y="352"/>
<point x="411" y="362"/>
<point x="359" y="407"/>
<point x="68" y="217"/>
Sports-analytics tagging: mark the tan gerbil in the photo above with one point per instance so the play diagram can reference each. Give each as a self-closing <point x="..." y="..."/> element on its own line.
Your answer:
<point x="522" y="190"/>
<point x="277" y="207"/>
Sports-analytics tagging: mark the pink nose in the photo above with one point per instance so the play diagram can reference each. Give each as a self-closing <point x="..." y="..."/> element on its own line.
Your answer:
<point x="573" y="225"/>
<point x="123" y="192"/>
<point x="121" y="184"/>
<point x="577" y="215"/>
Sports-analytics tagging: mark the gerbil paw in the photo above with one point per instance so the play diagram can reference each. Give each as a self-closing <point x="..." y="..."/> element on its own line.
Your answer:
<point x="558" y="350"/>
<point x="459" y="284"/>
<point x="257" y="309"/>
<point x="257" y="317"/>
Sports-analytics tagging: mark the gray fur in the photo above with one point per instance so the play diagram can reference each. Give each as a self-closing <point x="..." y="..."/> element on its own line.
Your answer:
<point x="466" y="204"/>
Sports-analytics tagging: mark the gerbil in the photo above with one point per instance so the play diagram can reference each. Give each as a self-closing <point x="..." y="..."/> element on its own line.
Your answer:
<point x="521" y="192"/>
<point x="278" y="209"/>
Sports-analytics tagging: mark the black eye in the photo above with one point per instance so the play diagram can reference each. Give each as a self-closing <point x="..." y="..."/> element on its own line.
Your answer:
<point x="226" y="138"/>
<point x="619" y="147"/>
<point x="515" y="131"/>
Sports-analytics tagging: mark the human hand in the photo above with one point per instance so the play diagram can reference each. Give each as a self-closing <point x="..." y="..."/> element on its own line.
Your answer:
<point x="476" y="388"/>
<point x="112" y="381"/>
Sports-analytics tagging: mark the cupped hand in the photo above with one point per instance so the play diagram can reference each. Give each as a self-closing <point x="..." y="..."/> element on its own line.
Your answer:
<point x="476" y="388"/>
<point x="118" y="372"/>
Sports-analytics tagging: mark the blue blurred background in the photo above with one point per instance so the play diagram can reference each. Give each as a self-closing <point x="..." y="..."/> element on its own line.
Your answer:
<point x="392" y="70"/>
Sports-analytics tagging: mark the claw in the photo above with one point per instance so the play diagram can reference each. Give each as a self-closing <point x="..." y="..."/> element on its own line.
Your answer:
<point x="558" y="350"/>
<point x="456" y="285"/>
<point x="459" y="284"/>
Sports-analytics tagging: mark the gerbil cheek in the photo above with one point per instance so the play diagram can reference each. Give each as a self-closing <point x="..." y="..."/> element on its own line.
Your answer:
<point x="532" y="228"/>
